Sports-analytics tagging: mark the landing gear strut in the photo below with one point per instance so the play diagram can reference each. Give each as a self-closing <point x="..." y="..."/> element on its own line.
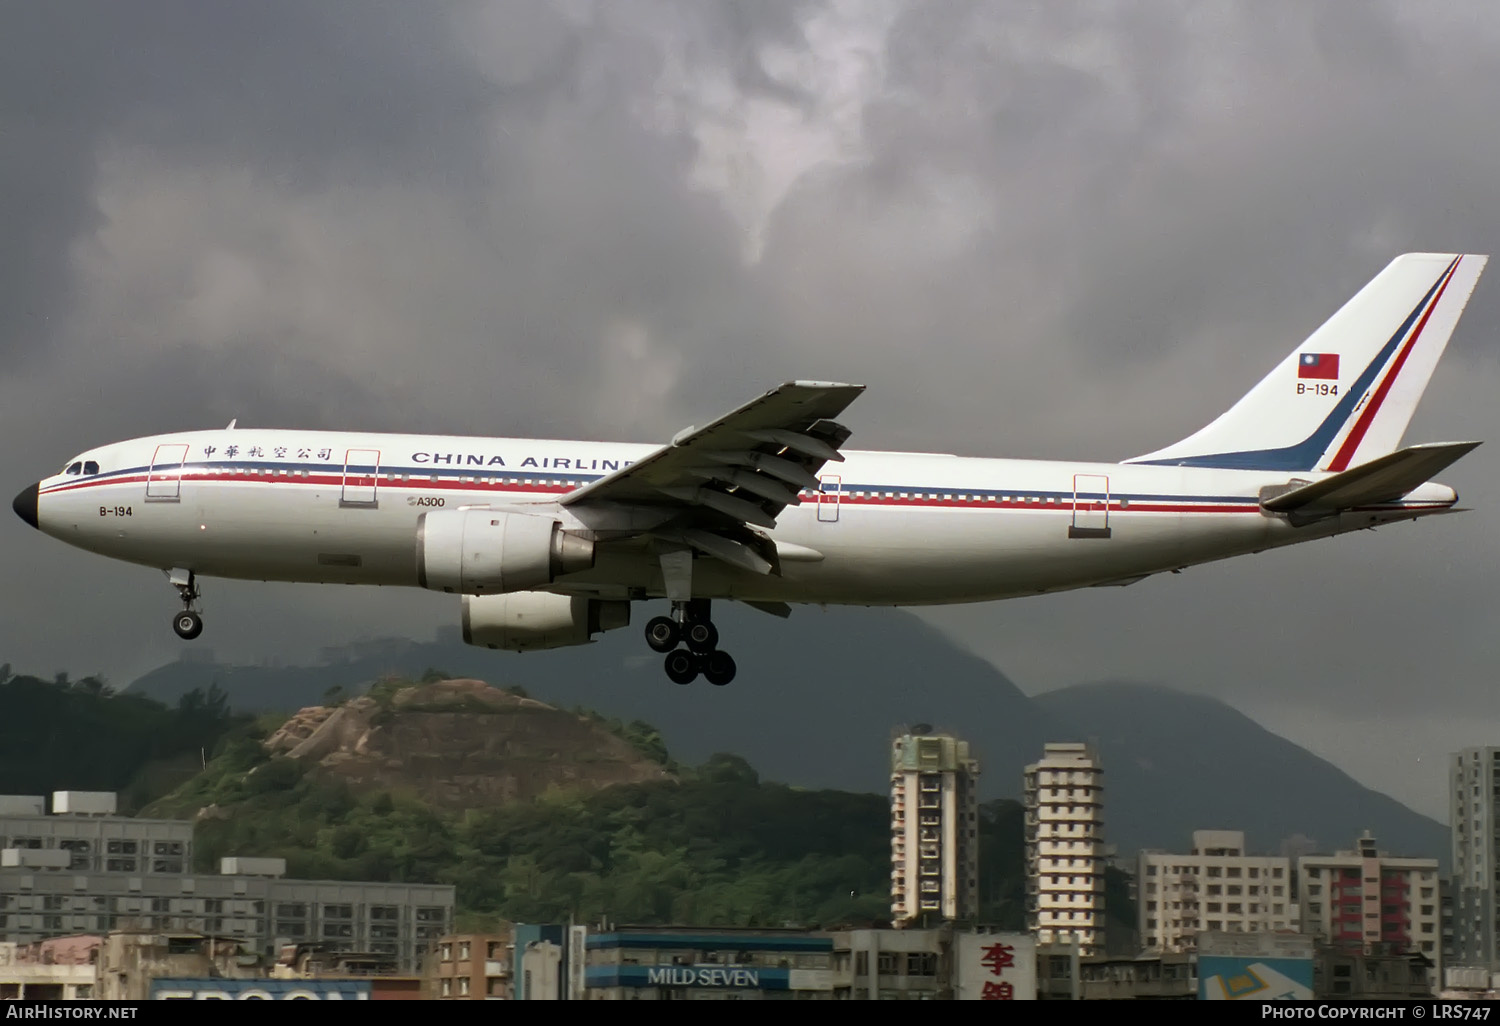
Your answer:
<point x="188" y="624"/>
<point x="690" y="624"/>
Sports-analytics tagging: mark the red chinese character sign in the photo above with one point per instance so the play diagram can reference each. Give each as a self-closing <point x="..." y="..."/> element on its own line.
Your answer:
<point x="998" y="992"/>
<point x="995" y="966"/>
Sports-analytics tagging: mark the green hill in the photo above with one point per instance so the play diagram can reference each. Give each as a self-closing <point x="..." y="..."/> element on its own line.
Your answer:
<point x="82" y="735"/>
<point x="711" y="845"/>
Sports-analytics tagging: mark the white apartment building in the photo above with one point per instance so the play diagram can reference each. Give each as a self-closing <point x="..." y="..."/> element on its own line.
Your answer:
<point x="1215" y="887"/>
<point x="1065" y="847"/>
<point x="1474" y="794"/>
<point x="934" y="829"/>
<point x="1364" y="899"/>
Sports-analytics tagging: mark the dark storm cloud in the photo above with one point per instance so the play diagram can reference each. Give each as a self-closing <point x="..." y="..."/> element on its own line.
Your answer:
<point x="306" y="93"/>
<point x="1038" y="230"/>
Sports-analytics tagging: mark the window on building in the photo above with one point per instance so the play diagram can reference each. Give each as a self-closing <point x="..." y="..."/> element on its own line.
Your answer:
<point x="886" y="963"/>
<point x="921" y="963"/>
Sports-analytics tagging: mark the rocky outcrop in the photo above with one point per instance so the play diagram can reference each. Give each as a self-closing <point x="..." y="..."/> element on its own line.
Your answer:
<point x="460" y="744"/>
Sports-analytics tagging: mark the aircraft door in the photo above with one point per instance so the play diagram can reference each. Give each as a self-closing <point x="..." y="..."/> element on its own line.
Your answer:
<point x="361" y="471"/>
<point x="829" y="488"/>
<point x="1090" y="506"/>
<point x="164" y="479"/>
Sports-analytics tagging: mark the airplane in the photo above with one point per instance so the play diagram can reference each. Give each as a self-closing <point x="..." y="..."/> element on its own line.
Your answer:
<point x="549" y="542"/>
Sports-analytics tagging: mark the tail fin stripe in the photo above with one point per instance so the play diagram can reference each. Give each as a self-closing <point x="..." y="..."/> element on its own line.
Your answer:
<point x="1305" y="454"/>
<point x="1357" y="434"/>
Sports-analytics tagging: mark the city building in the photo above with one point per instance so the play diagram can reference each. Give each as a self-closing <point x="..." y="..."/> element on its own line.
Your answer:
<point x="61" y="969"/>
<point x="908" y="964"/>
<point x="548" y="961"/>
<point x="1214" y="887"/>
<point x="934" y="829"/>
<point x="1474" y="811"/>
<point x="130" y="962"/>
<point x="470" y="966"/>
<point x="1366" y="900"/>
<point x="95" y="873"/>
<point x="1155" y="976"/>
<point x="938" y="963"/>
<point x="1374" y="975"/>
<point x="94" y="842"/>
<point x="677" y="963"/>
<point x="1065" y="848"/>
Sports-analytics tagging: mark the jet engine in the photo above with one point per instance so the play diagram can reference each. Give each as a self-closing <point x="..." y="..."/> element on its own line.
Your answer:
<point x="478" y="551"/>
<point x="526" y="620"/>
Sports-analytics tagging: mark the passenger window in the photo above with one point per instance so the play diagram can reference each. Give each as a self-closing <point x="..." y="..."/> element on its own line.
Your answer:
<point x="75" y="468"/>
<point x="90" y="467"/>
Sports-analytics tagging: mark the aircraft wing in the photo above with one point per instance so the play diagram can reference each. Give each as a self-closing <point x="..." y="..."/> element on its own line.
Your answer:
<point x="1388" y="477"/>
<point x="742" y="469"/>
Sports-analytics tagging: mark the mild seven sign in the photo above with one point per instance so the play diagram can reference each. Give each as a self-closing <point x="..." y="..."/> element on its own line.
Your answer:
<point x="688" y="976"/>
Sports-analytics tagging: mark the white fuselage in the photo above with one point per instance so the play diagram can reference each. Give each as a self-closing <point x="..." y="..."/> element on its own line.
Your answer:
<point x="887" y="528"/>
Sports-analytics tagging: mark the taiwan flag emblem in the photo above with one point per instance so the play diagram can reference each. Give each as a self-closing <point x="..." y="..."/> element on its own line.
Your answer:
<point x="1318" y="365"/>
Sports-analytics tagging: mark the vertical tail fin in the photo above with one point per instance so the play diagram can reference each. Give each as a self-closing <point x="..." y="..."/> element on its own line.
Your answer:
<point x="1346" y="394"/>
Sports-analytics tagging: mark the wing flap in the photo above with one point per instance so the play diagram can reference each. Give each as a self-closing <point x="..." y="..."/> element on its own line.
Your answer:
<point x="1382" y="479"/>
<point x="782" y="437"/>
<point x="744" y="468"/>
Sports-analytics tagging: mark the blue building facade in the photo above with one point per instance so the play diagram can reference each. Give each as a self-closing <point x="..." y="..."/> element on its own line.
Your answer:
<point x="725" y="963"/>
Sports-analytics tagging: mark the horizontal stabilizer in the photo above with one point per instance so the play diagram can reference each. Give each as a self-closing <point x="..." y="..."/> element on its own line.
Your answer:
<point x="1389" y="477"/>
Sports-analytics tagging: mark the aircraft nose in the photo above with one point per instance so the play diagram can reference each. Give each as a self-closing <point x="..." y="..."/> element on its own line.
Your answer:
<point x="25" y="505"/>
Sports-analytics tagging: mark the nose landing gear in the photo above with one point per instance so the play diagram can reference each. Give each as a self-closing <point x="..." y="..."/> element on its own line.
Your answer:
<point x="690" y="624"/>
<point x="188" y="624"/>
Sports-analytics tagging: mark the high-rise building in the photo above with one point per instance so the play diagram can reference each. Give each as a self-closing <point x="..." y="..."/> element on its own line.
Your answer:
<point x="1065" y="847"/>
<point x="934" y="828"/>
<point x="1370" y="901"/>
<point x="1216" y="887"/>
<point x="1474" y="811"/>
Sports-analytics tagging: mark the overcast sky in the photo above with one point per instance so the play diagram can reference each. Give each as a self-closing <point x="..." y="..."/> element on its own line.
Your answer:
<point x="1037" y="230"/>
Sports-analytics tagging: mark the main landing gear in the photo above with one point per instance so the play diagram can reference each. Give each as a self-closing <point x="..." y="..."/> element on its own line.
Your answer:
<point x="690" y="625"/>
<point x="188" y="624"/>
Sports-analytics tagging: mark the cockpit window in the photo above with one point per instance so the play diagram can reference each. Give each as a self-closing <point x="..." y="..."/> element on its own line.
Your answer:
<point x="90" y="467"/>
<point x="73" y="468"/>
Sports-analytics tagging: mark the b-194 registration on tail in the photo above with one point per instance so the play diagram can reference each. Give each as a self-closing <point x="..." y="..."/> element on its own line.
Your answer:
<point x="549" y="542"/>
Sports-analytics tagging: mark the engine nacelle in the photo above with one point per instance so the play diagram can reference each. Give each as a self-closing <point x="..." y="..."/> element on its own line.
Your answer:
<point x="480" y="551"/>
<point x="525" y="620"/>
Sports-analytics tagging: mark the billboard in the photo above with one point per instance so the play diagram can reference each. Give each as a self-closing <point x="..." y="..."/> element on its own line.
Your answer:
<point x="994" y="966"/>
<point x="214" y="989"/>
<point x="709" y="977"/>
<point x="1249" y="978"/>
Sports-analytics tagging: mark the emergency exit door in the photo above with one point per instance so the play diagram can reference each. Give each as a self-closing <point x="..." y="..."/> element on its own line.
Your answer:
<point x="361" y="471"/>
<point x="164" y="479"/>
<point x="829" y="488"/>
<point x="1090" y="506"/>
